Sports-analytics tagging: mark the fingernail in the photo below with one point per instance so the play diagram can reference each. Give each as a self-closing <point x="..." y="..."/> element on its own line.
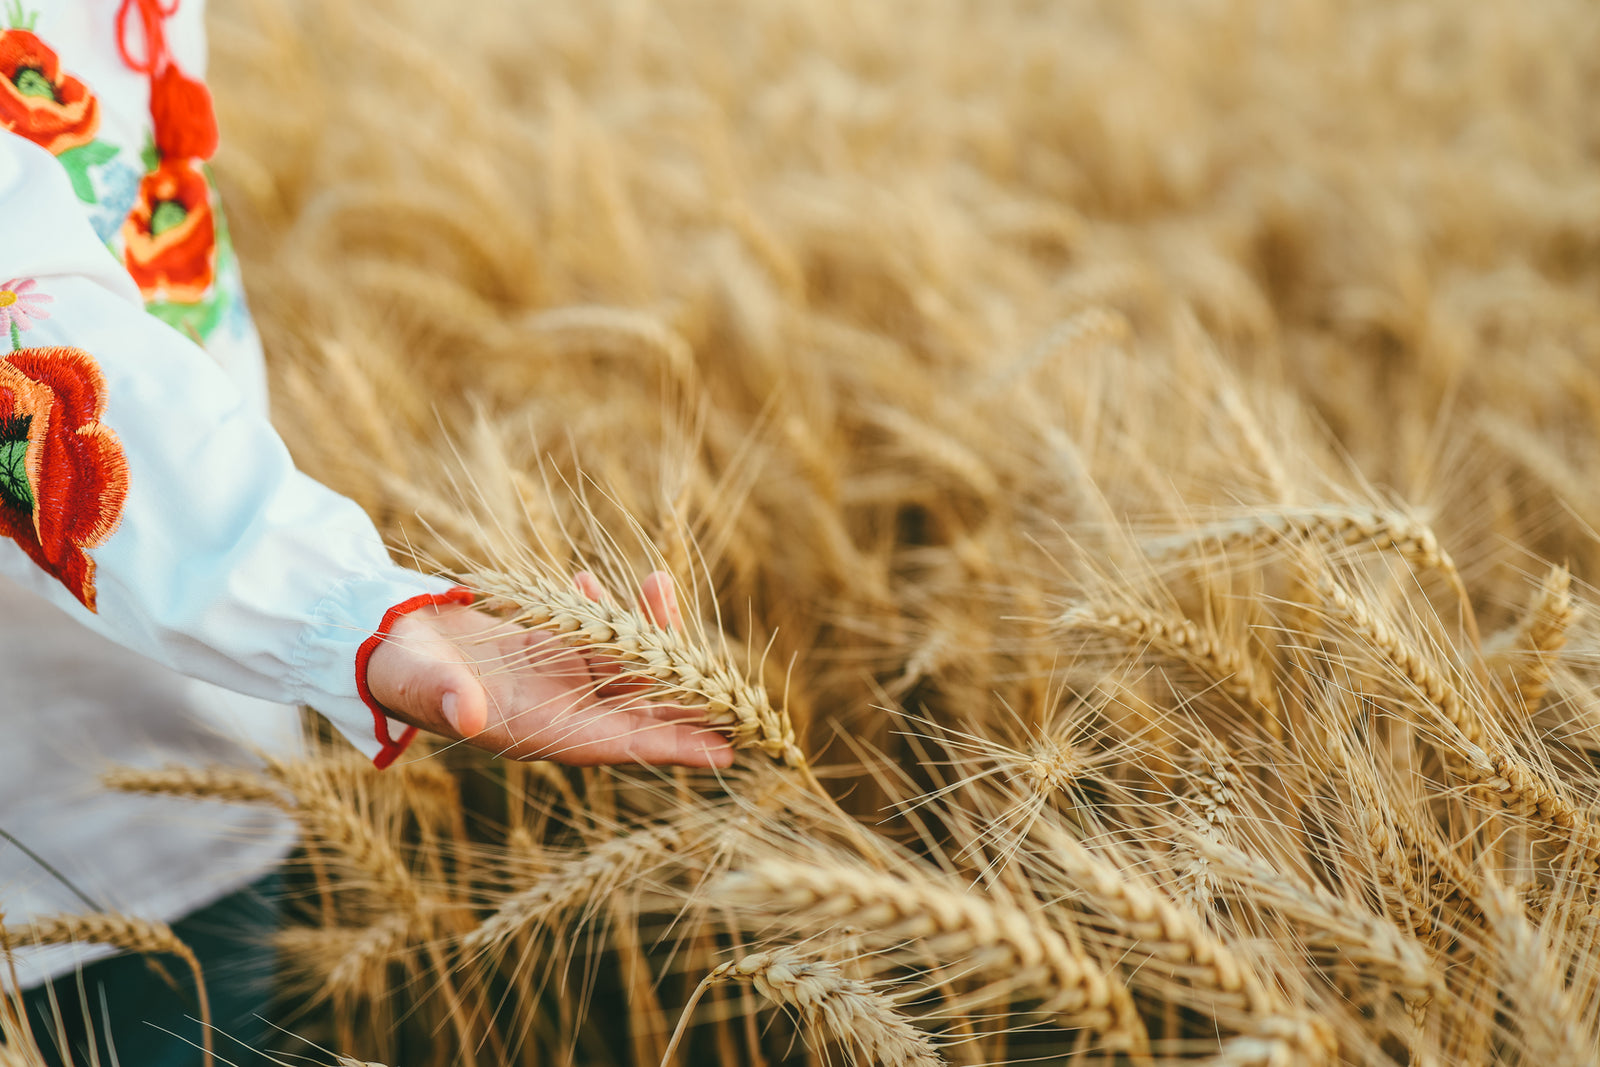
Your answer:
<point x="448" y="706"/>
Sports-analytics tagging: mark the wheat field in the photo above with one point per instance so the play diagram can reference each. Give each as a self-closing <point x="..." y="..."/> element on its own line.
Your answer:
<point x="1128" y="469"/>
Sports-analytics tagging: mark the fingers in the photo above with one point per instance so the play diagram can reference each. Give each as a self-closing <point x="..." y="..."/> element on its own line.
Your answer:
<point x="546" y="701"/>
<point x="627" y="736"/>
<point x="590" y="586"/>
<point x="421" y="677"/>
<point x="658" y="596"/>
<point x="659" y="599"/>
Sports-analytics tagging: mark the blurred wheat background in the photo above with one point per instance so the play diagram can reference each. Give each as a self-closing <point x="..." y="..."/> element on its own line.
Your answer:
<point x="1143" y="448"/>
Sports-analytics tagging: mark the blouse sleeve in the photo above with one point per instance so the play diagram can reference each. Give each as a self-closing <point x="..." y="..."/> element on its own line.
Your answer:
<point x="141" y="492"/>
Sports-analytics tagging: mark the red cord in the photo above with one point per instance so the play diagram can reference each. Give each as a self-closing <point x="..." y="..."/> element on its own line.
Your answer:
<point x="391" y="747"/>
<point x="185" y="123"/>
<point x="151" y="14"/>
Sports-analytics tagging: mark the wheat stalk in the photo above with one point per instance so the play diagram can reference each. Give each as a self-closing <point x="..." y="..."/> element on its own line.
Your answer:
<point x="1229" y="667"/>
<point x="1523" y="657"/>
<point x="663" y="654"/>
<point x="950" y="924"/>
<point x="348" y="957"/>
<point x="850" y="1011"/>
<point x="1415" y="666"/>
<point x="1211" y="798"/>
<point x="590" y="875"/>
<point x="1351" y="527"/>
<point x="147" y="937"/>
<point x="1533" y="970"/>
<point x="1169" y="937"/>
<point x="333" y="818"/>
<point x="1285" y="1042"/>
<point x="1325" y="920"/>
<point x="197" y="783"/>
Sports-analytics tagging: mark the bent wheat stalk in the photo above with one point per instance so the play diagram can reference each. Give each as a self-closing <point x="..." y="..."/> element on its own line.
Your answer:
<point x="1522" y="658"/>
<point x="851" y="1012"/>
<point x="950" y="924"/>
<point x="1412" y="540"/>
<point x="1229" y="667"/>
<point x="144" y="936"/>
<point x="604" y="867"/>
<point x="1326" y="921"/>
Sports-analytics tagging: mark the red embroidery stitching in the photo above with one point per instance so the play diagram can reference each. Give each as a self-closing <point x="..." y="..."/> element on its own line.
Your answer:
<point x="170" y="237"/>
<point x="64" y="491"/>
<point x="392" y="747"/>
<point x="49" y="108"/>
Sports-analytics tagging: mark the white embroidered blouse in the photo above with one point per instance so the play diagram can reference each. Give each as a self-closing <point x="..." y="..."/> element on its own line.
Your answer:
<point x="143" y="491"/>
<point x="142" y="487"/>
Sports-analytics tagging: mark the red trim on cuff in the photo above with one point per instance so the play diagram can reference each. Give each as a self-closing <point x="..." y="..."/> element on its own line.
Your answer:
<point x="390" y="748"/>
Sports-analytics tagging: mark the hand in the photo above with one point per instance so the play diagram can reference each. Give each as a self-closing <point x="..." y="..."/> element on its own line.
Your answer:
<point x="461" y="673"/>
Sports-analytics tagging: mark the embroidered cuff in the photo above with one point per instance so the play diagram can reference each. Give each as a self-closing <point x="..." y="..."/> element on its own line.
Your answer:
<point x="383" y="727"/>
<point x="330" y="664"/>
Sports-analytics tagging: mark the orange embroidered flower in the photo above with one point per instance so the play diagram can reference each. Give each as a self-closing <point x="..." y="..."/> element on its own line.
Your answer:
<point x="63" y="475"/>
<point x="47" y="107"/>
<point x="170" y="237"/>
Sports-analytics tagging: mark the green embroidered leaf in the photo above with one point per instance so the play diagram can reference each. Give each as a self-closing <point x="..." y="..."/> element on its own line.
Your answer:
<point x="17" y="18"/>
<point x="195" y="321"/>
<point x="149" y="156"/>
<point x="77" y="161"/>
<point x="14" y="487"/>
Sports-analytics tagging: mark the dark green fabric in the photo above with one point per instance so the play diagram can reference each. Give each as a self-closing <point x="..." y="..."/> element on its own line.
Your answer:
<point x="233" y="941"/>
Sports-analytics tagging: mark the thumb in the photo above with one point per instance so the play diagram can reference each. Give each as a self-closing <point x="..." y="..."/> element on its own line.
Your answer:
<point x="422" y="679"/>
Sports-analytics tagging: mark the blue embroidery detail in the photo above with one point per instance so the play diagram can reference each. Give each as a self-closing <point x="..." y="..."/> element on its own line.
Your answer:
<point x="117" y="184"/>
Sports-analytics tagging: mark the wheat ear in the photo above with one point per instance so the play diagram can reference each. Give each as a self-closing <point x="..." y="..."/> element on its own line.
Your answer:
<point x="1352" y="527"/>
<point x="850" y="1011"/>
<point x="1180" y="638"/>
<point x="951" y="925"/>
<point x="1290" y="1041"/>
<point x="348" y="956"/>
<point x="196" y="783"/>
<point x="1523" y="657"/>
<point x="1210" y="796"/>
<point x="1504" y="778"/>
<point x="332" y="819"/>
<point x="1413" y="541"/>
<point x="605" y="866"/>
<point x="144" y="936"/>
<point x="1533" y="972"/>
<point x="1170" y="937"/>
<point x="1326" y="921"/>
<point x="668" y="656"/>
<point x="1415" y="666"/>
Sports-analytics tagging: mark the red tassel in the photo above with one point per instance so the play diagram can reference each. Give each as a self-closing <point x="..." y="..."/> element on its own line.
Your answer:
<point x="185" y="121"/>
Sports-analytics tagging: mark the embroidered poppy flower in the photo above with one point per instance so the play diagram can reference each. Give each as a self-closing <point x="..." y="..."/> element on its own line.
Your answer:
<point x="63" y="475"/>
<point x="49" y="108"/>
<point x="170" y="237"/>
